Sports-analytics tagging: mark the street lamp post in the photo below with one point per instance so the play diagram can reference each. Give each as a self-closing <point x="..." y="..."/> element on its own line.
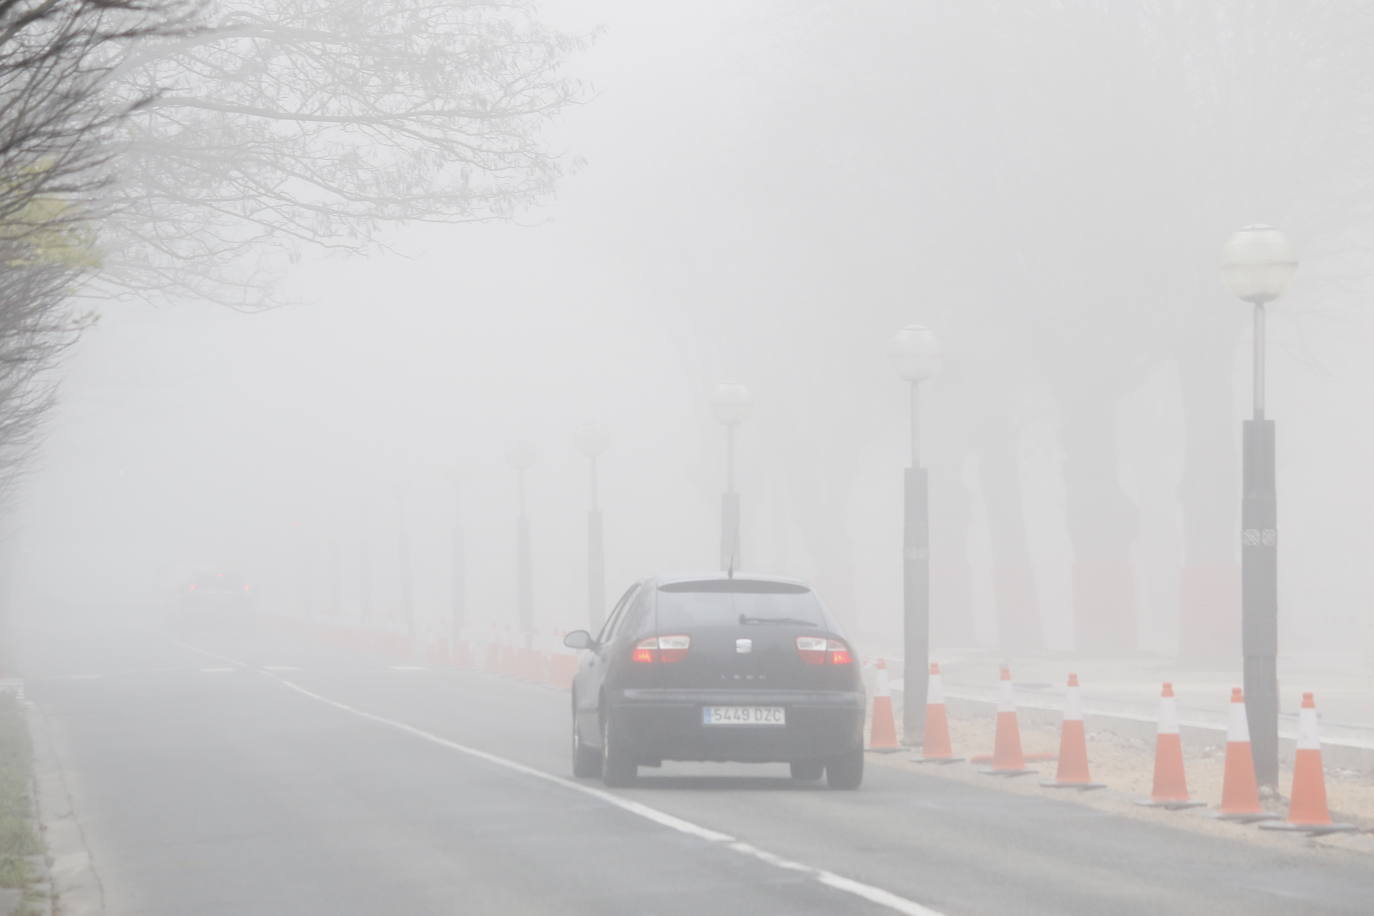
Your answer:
<point x="458" y="587"/>
<point x="1257" y="264"/>
<point x="364" y="567"/>
<point x="731" y="403"/>
<point x="403" y="561"/>
<point x="592" y="440"/>
<point x="915" y="353"/>
<point x="521" y="456"/>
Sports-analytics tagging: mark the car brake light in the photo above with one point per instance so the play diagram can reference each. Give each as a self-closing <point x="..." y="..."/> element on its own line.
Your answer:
<point x="666" y="649"/>
<point x="817" y="650"/>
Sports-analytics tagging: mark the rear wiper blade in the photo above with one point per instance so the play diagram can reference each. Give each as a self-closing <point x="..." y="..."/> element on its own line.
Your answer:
<point x="745" y="620"/>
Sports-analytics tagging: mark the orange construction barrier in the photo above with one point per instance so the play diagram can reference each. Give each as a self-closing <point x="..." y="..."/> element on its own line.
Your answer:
<point x="563" y="670"/>
<point x="1007" y="759"/>
<point x="882" y="734"/>
<point x="1307" y="809"/>
<point x="1073" y="745"/>
<point x="527" y="666"/>
<point x="935" y="746"/>
<point x="436" y="653"/>
<point x="1239" y="791"/>
<point x="1170" y="784"/>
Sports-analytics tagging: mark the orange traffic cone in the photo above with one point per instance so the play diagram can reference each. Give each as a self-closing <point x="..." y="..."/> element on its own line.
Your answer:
<point x="1307" y="809"/>
<point x="1170" y="784"/>
<point x="882" y="735"/>
<point x="1239" y="791"/>
<point x="1073" y="745"/>
<point x="935" y="747"/>
<point x="1006" y="748"/>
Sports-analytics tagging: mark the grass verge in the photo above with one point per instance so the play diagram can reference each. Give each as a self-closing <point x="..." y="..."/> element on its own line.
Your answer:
<point x="19" y="840"/>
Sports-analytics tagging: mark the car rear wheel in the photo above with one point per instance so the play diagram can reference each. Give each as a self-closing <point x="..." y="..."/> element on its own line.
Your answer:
<point x="617" y="768"/>
<point x="847" y="770"/>
<point x="586" y="761"/>
<point x="807" y="769"/>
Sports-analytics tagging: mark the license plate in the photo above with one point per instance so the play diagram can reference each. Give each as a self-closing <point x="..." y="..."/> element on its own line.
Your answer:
<point x="743" y="715"/>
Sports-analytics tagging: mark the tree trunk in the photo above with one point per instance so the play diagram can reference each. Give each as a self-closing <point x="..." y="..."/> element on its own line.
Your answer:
<point x="1102" y="526"/>
<point x="951" y="573"/>
<point x="1013" y="577"/>
<point x="1209" y="493"/>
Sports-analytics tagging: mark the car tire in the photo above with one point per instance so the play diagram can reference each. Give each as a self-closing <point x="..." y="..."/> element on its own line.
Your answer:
<point x="617" y="767"/>
<point x="807" y="769"/>
<point x="846" y="771"/>
<point x="586" y="761"/>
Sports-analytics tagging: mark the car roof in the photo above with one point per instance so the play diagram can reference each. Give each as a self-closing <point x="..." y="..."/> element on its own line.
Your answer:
<point x="684" y="578"/>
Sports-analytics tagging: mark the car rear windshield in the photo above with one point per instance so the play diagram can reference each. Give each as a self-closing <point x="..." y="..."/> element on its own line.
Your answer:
<point x="735" y="602"/>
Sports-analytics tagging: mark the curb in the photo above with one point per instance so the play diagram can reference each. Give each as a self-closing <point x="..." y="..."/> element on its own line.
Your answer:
<point x="74" y="887"/>
<point x="1334" y="755"/>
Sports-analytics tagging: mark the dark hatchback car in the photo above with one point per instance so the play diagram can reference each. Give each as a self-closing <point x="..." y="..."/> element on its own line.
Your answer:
<point x="214" y="598"/>
<point x="718" y="668"/>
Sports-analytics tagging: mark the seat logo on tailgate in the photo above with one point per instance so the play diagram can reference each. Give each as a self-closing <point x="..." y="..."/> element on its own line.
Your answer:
<point x="744" y="646"/>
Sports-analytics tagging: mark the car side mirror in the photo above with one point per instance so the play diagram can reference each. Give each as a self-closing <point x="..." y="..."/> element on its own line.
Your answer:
<point x="579" y="639"/>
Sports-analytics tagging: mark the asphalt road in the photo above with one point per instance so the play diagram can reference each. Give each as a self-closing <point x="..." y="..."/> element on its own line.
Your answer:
<point x="229" y="774"/>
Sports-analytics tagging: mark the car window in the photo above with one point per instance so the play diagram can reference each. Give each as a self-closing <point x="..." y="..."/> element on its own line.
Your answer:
<point x="678" y="608"/>
<point x="609" y="627"/>
<point x="635" y="611"/>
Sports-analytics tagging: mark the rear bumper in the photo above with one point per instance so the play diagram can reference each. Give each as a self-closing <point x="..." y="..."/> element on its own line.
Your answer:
<point x="659" y="724"/>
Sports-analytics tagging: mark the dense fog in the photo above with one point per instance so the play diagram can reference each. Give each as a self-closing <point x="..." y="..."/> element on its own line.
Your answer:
<point x="763" y="193"/>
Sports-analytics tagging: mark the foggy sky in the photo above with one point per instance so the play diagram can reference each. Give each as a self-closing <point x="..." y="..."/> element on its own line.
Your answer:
<point x="760" y="202"/>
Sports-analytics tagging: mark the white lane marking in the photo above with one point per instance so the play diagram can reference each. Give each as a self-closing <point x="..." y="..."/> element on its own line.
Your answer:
<point x="830" y="879"/>
<point x="408" y="668"/>
<point x="219" y="658"/>
<point x="216" y="670"/>
<point x="280" y="668"/>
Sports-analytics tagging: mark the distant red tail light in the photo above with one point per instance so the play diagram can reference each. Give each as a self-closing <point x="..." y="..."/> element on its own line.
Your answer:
<point x="665" y="649"/>
<point x="818" y="650"/>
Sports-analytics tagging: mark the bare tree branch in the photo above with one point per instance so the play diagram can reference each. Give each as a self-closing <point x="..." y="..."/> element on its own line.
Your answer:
<point x="292" y="123"/>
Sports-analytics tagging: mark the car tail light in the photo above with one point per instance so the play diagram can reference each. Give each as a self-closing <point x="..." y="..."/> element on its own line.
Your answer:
<point x="818" y="650"/>
<point x="664" y="649"/>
